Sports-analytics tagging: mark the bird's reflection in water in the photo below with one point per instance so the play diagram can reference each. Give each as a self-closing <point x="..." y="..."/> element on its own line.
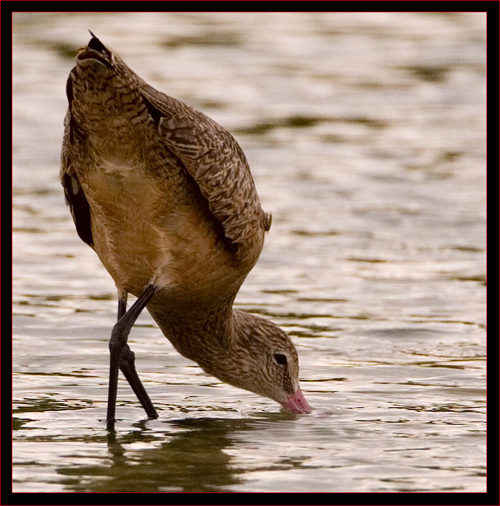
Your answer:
<point x="192" y="458"/>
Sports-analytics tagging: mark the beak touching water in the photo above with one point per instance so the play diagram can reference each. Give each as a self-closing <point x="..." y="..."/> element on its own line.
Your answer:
<point x="297" y="403"/>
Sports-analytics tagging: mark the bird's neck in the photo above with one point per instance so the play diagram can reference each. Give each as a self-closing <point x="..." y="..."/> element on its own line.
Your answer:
<point x="219" y="341"/>
<point x="202" y="334"/>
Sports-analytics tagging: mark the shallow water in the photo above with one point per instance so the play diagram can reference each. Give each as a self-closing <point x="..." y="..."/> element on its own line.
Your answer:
<point x="366" y="138"/>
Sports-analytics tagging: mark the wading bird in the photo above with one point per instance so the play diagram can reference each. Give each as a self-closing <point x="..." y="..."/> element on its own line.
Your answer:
<point x="164" y="196"/>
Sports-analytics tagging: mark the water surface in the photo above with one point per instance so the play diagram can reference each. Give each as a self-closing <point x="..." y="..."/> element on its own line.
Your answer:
<point x="366" y="138"/>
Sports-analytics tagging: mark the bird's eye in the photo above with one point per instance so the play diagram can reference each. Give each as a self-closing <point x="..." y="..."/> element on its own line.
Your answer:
<point x="280" y="358"/>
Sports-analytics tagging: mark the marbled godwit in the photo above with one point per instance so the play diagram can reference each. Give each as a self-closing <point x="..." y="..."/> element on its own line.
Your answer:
<point x="164" y="196"/>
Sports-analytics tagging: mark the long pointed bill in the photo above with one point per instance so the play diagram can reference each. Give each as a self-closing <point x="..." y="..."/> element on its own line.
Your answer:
<point x="297" y="403"/>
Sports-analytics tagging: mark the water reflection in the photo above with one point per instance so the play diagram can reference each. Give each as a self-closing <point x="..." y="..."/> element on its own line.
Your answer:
<point x="193" y="457"/>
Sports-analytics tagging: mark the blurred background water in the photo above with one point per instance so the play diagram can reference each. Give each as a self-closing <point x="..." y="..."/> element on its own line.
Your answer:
<point x="365" y="133"/>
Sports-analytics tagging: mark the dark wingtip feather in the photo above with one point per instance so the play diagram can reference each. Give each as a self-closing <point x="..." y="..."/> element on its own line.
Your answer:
<point x="97" y="45"/>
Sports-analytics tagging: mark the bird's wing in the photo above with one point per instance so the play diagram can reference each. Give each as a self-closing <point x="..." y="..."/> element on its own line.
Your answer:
<point x="73" y="192"/>
<point x="214" y="160"/>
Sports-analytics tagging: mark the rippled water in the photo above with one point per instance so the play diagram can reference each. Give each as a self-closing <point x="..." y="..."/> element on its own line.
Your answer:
<point x="366" y="138"/>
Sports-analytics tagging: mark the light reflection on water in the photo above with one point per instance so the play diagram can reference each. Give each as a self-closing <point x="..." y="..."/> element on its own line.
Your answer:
<point x="365" y="134"/>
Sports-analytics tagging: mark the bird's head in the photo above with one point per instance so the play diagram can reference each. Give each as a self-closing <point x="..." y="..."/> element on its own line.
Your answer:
<point x="261" y="358"/>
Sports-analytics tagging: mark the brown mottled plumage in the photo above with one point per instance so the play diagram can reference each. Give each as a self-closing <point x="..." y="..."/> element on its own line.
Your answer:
<point x="165" y="197"/>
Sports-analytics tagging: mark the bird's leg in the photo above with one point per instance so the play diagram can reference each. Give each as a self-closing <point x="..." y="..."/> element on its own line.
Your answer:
<point x="122" y="303"/>
<point x="122" y="357"/>
<point x="127" y="366"/>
